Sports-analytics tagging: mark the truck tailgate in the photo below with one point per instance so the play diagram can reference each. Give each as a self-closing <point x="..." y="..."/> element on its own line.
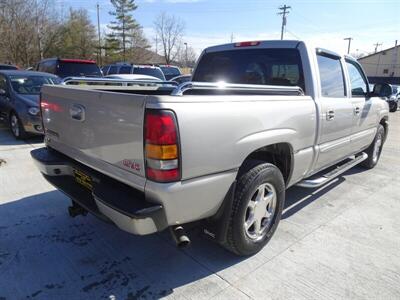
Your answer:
<point x="99" y="128"/>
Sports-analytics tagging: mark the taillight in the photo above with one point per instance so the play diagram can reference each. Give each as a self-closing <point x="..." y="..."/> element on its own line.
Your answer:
<point x="161" y="146"/>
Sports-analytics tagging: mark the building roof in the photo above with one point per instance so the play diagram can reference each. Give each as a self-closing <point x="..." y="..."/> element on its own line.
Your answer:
<point x="379" y="52"/>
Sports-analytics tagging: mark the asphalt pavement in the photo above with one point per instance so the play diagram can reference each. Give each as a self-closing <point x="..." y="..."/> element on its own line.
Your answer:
<point x="339" y="241"/>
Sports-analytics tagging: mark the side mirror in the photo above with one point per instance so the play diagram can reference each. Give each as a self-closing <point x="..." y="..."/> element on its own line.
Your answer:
<point x="3" y="92"/>
<point x="383" y="90"/>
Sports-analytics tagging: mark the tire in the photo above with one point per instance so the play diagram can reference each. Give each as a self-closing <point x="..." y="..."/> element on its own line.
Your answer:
<point x="259" y="178"/>
<point x="393" y="107"/>
<point x="16" y="127"/>
<point x="375" y="149"/>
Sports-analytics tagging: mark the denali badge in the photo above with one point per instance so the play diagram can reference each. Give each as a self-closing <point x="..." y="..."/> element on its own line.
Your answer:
<point x="131" y="164"/>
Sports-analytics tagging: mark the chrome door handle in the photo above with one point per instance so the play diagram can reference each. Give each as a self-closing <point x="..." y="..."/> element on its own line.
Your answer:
<point x="77" y="112"/>
<point x="330" y="115"/>
<point x="357" y="111"/>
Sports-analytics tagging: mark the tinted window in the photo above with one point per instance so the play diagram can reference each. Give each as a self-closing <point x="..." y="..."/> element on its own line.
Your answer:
<point x="125" y="70"/>
<point x="255" y="66"/>
<point x="113" y="70"/>
<point x="171" y="71"/>
<point x="3" y="83"/>
<point x="155" y="72"/>
<point x="331" y="75"/>
<point x="8" y="67"/>
<point x="66" y="69"/>
<point x="30" y="85"/>
<point x="357" y="81"/>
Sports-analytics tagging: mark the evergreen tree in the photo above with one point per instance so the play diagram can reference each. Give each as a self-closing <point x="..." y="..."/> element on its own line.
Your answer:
<point x="124" y="24"/>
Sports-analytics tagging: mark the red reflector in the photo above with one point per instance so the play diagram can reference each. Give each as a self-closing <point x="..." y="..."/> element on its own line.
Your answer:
<point x="163" y="175"/>
<point x="247" y="44"/>
<point x="160" y="128"/>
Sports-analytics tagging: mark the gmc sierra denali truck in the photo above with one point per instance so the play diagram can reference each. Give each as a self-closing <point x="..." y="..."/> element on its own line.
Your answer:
<point x="257" y="118"/>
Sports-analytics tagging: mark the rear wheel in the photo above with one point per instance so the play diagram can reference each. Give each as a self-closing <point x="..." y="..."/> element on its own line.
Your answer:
<point x="375" y="149"/>
<point x="17" y="129"/>
<point x="257" y="208"/>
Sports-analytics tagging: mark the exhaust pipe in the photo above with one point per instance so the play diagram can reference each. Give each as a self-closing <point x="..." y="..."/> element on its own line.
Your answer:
<point x="76" y="210"/>
<point x="179" y="236"/>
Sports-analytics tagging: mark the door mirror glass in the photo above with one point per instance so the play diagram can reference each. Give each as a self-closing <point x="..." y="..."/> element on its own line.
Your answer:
<point x="383" y="90"/>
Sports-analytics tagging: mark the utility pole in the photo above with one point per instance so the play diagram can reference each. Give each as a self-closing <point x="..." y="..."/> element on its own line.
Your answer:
<point x="186" y="55"/>
<point x="98" y="31"/>
<point x="232" y="37"/>
<point x="156" y="44"/>
<point x="348" y="48"/>
<point x="376" y="46"/>
<point x="284" y="11"/>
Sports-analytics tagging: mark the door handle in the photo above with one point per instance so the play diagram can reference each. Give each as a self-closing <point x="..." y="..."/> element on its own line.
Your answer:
<point x="357" y="111"/>
<point x="77" y="112"/>
<point x="330" y="115"/>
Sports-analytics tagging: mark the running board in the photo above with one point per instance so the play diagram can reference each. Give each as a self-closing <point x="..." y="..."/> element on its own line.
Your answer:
<point x="320" y="181"/>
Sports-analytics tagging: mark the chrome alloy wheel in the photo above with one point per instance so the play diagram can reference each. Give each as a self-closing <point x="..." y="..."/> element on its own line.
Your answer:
<point x="377" y="148"/>
<point x="14" y="125"/>
<point x="260" y="211"/>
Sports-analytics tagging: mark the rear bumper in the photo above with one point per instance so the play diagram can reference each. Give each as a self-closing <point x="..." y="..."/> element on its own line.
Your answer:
<point x="108" y="199"/>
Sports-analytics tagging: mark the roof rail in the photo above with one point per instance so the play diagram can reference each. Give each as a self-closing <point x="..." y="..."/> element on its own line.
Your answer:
<point x="243" y="88"/>
<point x="113" y="81"/>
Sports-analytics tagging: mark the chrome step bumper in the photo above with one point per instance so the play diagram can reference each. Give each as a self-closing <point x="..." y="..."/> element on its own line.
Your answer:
<point x="324" y="179"/>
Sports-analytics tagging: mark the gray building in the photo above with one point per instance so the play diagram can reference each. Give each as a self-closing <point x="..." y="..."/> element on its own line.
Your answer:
<point x="383" y="66"/>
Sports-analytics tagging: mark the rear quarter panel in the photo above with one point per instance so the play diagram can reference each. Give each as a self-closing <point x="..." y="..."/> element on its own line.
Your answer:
<point x="217" y="133"/>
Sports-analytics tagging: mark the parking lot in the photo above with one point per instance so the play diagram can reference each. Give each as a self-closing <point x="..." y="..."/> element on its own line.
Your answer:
<point x="340" y="241"/>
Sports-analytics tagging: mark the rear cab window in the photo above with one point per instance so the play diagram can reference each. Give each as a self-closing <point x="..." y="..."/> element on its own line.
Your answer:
<point x="171" y="71"/>
<point x="150" y="71"/>
<point x="67" y="69"/>
<point x="252" y="66"/>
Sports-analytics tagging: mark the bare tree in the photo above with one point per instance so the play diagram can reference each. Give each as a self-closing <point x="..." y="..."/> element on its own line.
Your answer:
<point x="169" y="30"/>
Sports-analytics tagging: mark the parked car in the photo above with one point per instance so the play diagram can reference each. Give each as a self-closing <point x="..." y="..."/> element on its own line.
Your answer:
<point x="63" y="67"/>
<point x="8" y="67"/>
<point x="258" y="118"/>
<point x="126" y="68"/>
<point x="182" y="78"/>
<point x="19" y="100"/>
<point x="170" y="71"/>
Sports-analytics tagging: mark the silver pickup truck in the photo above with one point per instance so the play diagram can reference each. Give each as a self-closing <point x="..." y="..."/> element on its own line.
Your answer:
<point x="257" y="118"/>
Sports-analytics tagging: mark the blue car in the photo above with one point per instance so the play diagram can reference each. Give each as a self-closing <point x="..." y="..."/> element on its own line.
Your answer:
<point x="19" y="100"/>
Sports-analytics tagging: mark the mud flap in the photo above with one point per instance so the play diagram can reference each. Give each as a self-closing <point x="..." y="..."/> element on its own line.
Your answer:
<point x="216" y="227"/>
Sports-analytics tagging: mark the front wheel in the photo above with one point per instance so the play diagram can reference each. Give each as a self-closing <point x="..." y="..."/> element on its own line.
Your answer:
<point x="375" y="149"/>
<point x="17" y="129"/>
<point x="257" y="208"/>
<point x="393" y="107"/>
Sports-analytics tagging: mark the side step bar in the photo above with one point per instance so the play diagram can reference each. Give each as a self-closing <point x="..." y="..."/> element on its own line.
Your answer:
<point x="324" y="179"/>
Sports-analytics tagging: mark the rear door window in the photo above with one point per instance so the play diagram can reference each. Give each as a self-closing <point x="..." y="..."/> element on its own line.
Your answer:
<point x="252" y="66"/>
<point x="331" y="76"/>
<point x="125" y="70"/>
<point x="113" y="70"/>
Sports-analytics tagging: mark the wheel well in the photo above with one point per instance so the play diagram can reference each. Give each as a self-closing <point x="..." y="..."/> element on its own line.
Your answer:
<point x="384" y="123"/>
<point x="281" y="155"/>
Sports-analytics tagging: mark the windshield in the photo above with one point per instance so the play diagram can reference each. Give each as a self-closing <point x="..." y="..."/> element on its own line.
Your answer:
<point x="8" y="67"/>
<point x="171" y="71"/>
<point x="67" y="69"/>
<point x="155" y="72"/>
<point x="31" y="85"/>
<point x="252" y="66"/>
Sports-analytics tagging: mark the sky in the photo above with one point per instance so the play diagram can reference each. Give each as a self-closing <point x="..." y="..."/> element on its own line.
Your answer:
<point x="324" y="23"/>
